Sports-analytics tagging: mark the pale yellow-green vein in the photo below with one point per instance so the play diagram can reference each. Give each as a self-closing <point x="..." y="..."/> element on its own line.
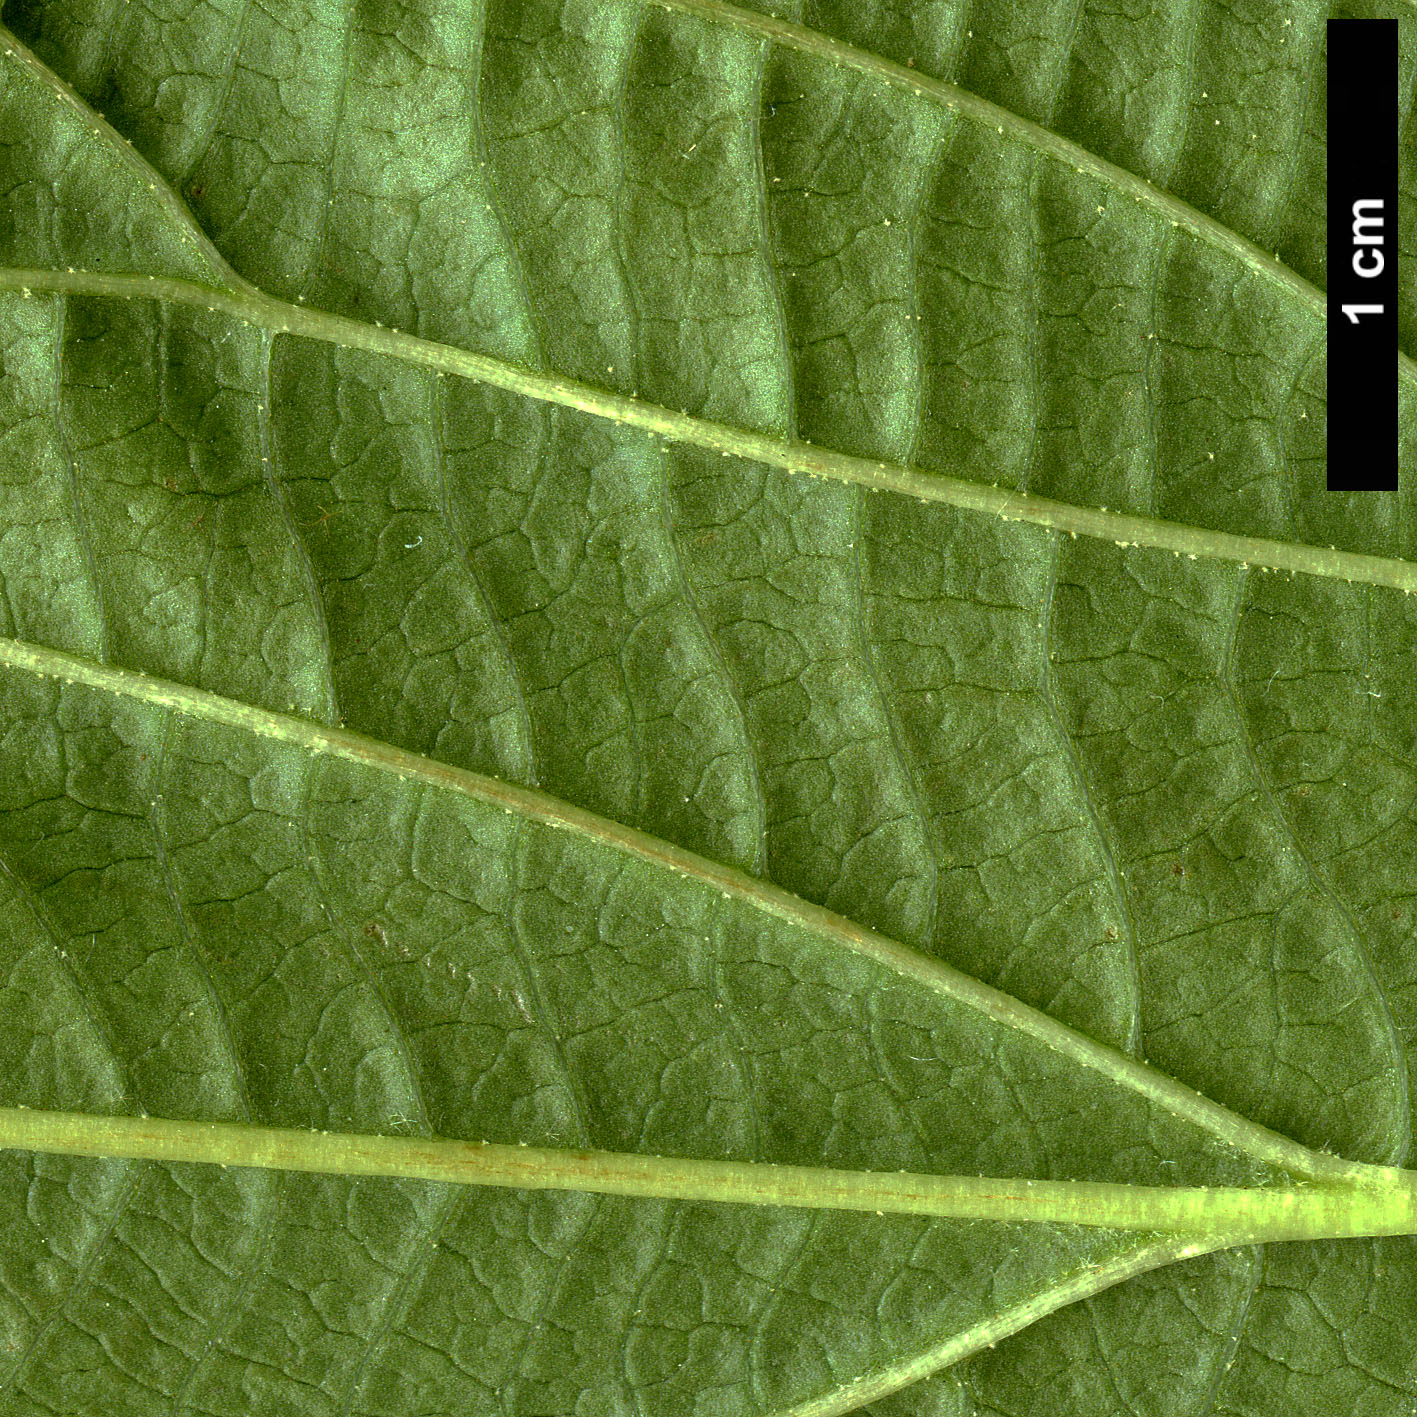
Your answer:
<point x="1016" y="128"/>
<point x="1068" y="1289"/>
<point x="126" y="155"/>
<point x="534" y="805"/>
<point x="1375" y="1201"/>
<point x="266" y="312"/>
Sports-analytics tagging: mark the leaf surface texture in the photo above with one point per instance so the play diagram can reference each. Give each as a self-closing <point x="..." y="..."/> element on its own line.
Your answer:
<point x="1160" y="795"/>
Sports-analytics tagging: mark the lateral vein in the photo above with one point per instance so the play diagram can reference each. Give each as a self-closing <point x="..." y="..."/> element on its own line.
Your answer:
<point x="1092" y="1279"/>
<point x="807" y="40"/>
<point x="266" y="312"/>
<point x="127" y="156"/>
<point x="533" y="804"/>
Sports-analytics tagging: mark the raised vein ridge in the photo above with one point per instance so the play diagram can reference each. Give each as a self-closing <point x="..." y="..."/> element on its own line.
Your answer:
<point x="269" y="313"/>
<point x="127" y="155"/>
<point x="1090" y="1280"/>
<point x="1376" y="1200"/>
<point x="532" y="804"/>
<point x="1034" y="135"/>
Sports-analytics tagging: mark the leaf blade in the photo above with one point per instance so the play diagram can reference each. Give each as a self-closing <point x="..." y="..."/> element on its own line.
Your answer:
<point x="1211" y="647"/>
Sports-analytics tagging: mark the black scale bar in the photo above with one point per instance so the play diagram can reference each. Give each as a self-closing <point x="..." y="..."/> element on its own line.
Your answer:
<point x="1362" y="255"/>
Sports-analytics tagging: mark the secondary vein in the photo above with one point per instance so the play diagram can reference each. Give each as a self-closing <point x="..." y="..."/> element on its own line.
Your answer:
<point x="1089" y="1280"/>
<point x="532" y="804"/>
<point x="806" y="40"/>
<point x="268" y="313"/>
<point x="127" y="156"/>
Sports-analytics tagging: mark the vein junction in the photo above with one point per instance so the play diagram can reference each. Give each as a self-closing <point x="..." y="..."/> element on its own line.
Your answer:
<point x="535" y="805"/>
<point x="1375" y="1201"/>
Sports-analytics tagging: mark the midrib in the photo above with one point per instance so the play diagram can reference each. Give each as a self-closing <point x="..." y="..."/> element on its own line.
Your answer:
<point x="1373" y="1201"/>
<point x="532" y="804"/>
<point x="281" y="317"/>
<point x="1035" y="1198"/>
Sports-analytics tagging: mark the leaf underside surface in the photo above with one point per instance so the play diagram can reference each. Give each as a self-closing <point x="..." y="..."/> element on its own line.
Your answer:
<point x="717" y="589"/>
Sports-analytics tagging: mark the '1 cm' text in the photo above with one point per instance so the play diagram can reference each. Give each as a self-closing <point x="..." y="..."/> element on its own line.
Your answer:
<point x="1367" y="233"/>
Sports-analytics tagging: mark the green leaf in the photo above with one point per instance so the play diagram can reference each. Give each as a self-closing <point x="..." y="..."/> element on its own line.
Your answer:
<point x="621" y="621"/>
